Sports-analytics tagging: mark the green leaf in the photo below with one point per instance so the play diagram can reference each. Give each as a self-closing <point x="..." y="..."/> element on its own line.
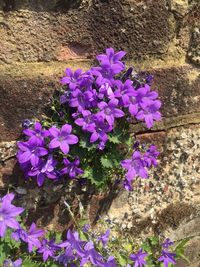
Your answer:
<point x="154" y="240"/>
<point x="146" y="247"/>
<point x="106" y="162"/>
<point x="114" y="139"/>
<point x="128" y="247"/>
<point x="29" y="262"/>
<point x="122" y="260"/>
<point x="180" y="249"/>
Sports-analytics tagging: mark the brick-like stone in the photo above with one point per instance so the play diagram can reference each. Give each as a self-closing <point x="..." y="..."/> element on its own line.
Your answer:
<point x="20" y="99"/>
<point x="35" y="32"/>
<point x="179" y="90"/>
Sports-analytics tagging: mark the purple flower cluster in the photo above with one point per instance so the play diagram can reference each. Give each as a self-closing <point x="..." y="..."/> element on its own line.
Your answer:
<point x="98" y="97"/>
<point x="73" y="251"/>
<point x="139" y="164"/>
<point x="95" y="100"/>
<point x="37" y="155"/>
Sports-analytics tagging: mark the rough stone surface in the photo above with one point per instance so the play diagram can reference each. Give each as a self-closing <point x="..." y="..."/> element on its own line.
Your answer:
<point x="21" y="99"/>
<point x="126" y="24"/>
<point x="179" y="90"/>
<point x="194" y="50"/>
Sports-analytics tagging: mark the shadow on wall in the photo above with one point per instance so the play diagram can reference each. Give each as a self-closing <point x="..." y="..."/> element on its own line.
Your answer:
<point x="39" y="5"/>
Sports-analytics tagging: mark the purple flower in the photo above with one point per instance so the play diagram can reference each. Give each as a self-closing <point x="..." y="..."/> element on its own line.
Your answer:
<point x="124" y="92"/>
<point x="138" y="97"/>
<point x="8" y="214"/>
<point x="26" y="123"/>
<point x="167" y="258"/>
<point x="100" y="131"/>
<point x="91" y="255"/>
<point x="67" y="257"/>
<point x="150" y="112"/>
<point x="71" y="78"/>
<point x="43" y="170"/>
<point x="110" y="65"/>
<point x="110" y="262"/>
<point x="105" y="237"/>
<point x="9" y="263"/>
<point x="105" y="90"/>
<point x="167" y="243"/>
<point x="86" y="228"/>
<point x="110" y="111"/>
<point x="31" y="151"/>
<point x="135" y="166"/>
<point x="127" y="185"/>
<point x="37" y="131"/>
<point x="72" y="168"/>
<point x="138" y="258"/>
<point x="87" y="122"/>
<point x="62" y="138"/>
<point x="83" y="100"/>
<point x="48" y="249"/>
<point x="19" y="234"/>
<point x="151" y="155"/>
<point x="73" y="242"/>
<point x="30" y="237"/>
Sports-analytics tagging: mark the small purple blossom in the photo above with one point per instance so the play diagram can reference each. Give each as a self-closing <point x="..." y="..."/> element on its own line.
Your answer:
<point x="30" y="237"/>
<point x="151" y="155"/>
<point x="71" y="168"/>
<point x="149" y="112"/>
<point x="104" y="238"/>
<point x="73" y="242"/>
<point x="106" y="90"/>
<point x="91" y="255"/>
<point x="71" y="79"/>
<point x="26" y="123"/>
<point x="45" y="168"/>
<point x="48" y="249"/>
<point x="87" y="121"/>
<point x="36" y="132"/>
<point x="110" y="111"/>
<point x="110" y="65"/>
<point x="139" y="258"/>
<point x="124" y="92"/>
<point x="31" y="151"/>
<point x="8" y="214"/>
<point x="9" y="263"/>
<point x="66" y="257"/>
<point x="167" y="243"/>
<point x="135" y="166"/>
<point x="62" y="138"/>
<point x="110" y="262"/>
<point x="83" y="100"/>
<point x="86" y="228"/>
<point x="100" y="131"/>
<point x="167" y="258"/>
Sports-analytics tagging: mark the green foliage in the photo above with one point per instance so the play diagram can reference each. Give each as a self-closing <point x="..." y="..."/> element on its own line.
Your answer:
<point x="180" y="249"/>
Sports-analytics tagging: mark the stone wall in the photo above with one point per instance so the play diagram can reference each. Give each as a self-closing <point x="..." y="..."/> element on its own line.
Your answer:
<point x="40" y="38"/>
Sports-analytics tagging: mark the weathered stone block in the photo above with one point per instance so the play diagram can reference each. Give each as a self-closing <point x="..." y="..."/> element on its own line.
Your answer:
<point x="179" y="90"/>
<point x="20" y="99"/>
<point x="140" y="27"/>
<point x="170" y="198"/>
